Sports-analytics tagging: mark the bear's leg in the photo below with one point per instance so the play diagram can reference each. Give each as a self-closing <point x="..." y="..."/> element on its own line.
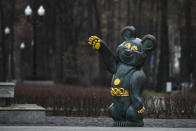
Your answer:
<point x="133" y="118"/>
<point x="116" y="116"/>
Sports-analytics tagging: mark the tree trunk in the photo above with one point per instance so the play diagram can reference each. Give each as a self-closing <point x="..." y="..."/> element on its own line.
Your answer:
<point x="163" y="70"/>
<point x="58" y="51"/>
<point x="185" y="64"/>
<point x="7" y="17"/>
<point x="2" y="51"/>
<point x="102" y="75"/>
<point x="128" y="12"/>
<point x="194" y="57"/>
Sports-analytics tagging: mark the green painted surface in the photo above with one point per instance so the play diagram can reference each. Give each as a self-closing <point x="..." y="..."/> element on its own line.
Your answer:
<point x="127" y="108"/>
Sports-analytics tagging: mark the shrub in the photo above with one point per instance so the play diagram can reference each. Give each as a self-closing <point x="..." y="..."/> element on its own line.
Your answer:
<point x="171" y="106"/>
<point x="72" y="100"/>
<point x="64" y="99"/>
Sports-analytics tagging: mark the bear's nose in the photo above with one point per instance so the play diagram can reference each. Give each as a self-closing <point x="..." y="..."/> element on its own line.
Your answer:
<point x="128" y="52"/>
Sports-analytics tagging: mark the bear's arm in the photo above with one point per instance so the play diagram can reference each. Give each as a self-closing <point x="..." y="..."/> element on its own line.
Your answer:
<point x="137" y="83"/>
<point x="109" y="58"/>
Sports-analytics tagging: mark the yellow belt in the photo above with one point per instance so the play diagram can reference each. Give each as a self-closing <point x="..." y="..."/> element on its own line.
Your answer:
<point x="119" y="92"/>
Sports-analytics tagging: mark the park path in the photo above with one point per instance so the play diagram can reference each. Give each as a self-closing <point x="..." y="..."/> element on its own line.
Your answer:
<point x="108" y="122"/>
<point x="70" y="128"/>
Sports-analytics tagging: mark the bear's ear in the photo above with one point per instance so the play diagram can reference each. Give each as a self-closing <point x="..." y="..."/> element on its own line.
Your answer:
<point x="128" y="32"/>
<point x="148" y="42"/>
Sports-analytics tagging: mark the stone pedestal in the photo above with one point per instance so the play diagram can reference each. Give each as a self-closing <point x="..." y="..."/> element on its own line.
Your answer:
<point x="6" y="93"/>
<point x="22" y="114"/>
<point x="18" y="113"/>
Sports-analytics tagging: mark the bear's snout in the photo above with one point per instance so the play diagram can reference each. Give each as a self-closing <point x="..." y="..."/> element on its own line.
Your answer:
<point x="128" y="52"/>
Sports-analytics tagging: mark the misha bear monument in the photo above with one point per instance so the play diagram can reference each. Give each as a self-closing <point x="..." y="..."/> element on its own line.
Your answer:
<point x="127" y="108"/>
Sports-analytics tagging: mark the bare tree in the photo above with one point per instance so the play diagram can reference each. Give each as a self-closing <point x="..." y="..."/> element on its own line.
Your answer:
<point x="7" y="8"/>
<point x="163" y="69"/>
<point x="186" y="44"/>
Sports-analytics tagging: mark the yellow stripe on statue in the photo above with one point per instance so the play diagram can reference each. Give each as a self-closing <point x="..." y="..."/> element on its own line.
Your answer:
<point x="119" y="92"/>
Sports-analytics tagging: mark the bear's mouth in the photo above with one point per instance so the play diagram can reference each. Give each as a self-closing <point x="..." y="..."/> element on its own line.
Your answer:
<point x="127" y="52"/>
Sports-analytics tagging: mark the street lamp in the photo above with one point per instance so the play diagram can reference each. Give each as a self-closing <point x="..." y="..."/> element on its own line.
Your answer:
<point x="7" y="30"/>
<point x="35" y="20"/>
<point x="22" y="45"/>
<point x="41" y="11"/>
<point x="28" y="10"/>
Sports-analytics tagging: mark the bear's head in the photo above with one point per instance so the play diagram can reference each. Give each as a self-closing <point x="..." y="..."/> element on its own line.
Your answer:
<point x="133" y="51"/>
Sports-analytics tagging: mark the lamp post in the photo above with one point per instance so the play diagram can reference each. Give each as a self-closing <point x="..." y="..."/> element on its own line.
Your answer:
<point x="7" y="33"/>
<point x="34" y="19"/>
<point x="22" y="47"/>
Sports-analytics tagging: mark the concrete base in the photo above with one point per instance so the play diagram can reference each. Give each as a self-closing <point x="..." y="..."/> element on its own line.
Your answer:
<point x="72" y="128"/>
<point x="22" y="113"/>
<point x="2" y="102"/>
<point x="6" y="93"/>
<point x="7" y="90"/>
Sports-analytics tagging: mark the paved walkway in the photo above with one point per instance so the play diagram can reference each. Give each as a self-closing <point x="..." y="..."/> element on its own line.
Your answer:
<point x="64" y="128"/>
<point x="108" y="122"/>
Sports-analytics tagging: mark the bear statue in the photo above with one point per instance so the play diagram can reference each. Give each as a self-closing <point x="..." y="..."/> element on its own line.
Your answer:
<point x="127" y="108"/>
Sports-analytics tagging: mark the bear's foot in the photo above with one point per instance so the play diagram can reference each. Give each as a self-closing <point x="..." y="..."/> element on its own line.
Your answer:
<point x="128" y="123"/>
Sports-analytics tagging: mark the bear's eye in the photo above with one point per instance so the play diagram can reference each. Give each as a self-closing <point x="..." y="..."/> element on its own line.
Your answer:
<point x="134" y="48"/>
<point x="128" y="45"/>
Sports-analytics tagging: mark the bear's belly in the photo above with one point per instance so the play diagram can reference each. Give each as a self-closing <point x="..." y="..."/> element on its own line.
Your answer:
<point x="121" y="104"/>
<point x="121" y="89"/>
